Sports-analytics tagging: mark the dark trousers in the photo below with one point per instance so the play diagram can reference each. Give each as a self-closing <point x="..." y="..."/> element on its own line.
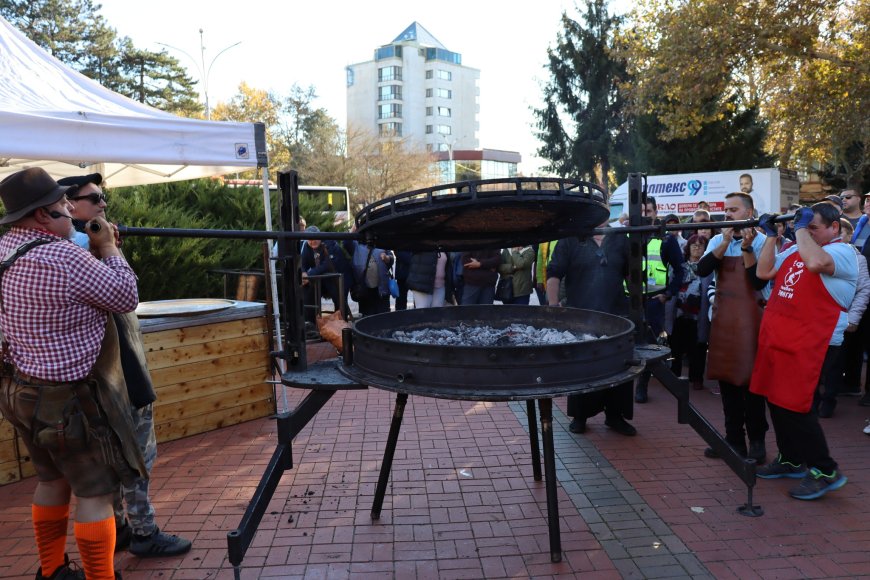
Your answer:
<point x="800" y="439"/>
<point x="742" y="409"/>
<point x="616" y="402"/>
<point x="373" y="303"/>
<point x="684" y="344"/>
<point x="523" y="300"/>
<point x="402" y="298"/>
<point x="853" y="360"/>
<point x="829" y="378"/>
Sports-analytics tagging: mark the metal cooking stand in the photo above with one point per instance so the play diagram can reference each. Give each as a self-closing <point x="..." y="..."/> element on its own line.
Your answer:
<point x="324" y="378"/>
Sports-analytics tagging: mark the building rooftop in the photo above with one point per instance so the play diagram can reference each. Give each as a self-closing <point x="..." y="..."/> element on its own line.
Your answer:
<point x="416" y="33"/>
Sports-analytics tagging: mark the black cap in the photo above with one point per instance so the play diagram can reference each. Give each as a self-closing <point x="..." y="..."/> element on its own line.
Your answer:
<point x="671" y="218"/>
<point x="81" y="180"/>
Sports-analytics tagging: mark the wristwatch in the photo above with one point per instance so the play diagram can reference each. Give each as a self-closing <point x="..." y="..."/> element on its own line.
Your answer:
<point x="747" y="250"/>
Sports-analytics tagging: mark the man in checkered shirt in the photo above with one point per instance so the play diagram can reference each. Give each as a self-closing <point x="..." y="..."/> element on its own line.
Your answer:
<point x="55" y="300"/>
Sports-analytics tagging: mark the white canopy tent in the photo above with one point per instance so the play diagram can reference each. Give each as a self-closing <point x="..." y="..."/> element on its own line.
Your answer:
<point x="66" y="123"/>
<point x="56" y="118"/>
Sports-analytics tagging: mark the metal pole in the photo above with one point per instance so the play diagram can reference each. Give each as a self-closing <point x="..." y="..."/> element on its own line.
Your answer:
<point x="546" y="406"/>
<point x="531" y="414"/>
<point x="389" y="452"/>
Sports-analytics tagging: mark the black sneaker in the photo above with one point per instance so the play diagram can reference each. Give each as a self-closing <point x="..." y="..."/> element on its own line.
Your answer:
<point x="621" y="426"/>
<point x="123" y="537"/>
<point x="778" y="469"/>
<point x="69" y="571"/>
<point x="158" y="544"/>
<point x="711" y="453"/>
<point x="865" y="400"/>
<point x="577" y="426"/>
<point x="816" y="484"/>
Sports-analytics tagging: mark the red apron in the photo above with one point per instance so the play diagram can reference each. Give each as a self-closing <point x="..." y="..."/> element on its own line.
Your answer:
<point x="795" y="332"/>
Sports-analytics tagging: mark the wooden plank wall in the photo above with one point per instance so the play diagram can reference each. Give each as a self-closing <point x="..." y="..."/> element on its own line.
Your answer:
<point x="206" y="377"/>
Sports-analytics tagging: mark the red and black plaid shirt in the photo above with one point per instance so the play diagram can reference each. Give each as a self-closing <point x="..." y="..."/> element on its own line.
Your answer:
<point x="55" y="302"/>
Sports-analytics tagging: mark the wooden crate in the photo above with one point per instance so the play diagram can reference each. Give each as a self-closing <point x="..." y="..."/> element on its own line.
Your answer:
<point x="12" y="453"/>
<point x="209" y="376"/>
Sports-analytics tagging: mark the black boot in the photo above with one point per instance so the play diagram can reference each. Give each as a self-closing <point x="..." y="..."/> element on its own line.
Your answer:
<point x="758" y="452"/>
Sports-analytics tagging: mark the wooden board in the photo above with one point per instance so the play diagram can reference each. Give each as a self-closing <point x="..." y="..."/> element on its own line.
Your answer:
<point x="206" y="351"/>
<point x="224" y="418"/>
<point x="186" y="390"/>
<point x="199" y="334"/>
<point x="9" y="472"/>
<point x="210" y="404"/>
<point x="208" y="368"/>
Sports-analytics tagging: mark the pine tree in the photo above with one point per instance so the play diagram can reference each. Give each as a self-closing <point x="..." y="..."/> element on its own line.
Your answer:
<point x="583" y="122"/>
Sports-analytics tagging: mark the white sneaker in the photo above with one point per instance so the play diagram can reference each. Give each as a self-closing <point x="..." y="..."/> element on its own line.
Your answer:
<point x="867" y="427"/>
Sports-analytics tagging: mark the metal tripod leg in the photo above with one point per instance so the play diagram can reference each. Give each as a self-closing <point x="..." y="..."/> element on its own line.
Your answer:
<point x="389" y="451"/>
<point x="533" y="438"/>
<point x="546" y="406"/>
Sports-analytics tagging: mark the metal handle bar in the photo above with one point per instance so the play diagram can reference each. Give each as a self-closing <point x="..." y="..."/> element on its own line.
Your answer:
<point x="687" y="227"/>
<point x="235" y="234"/>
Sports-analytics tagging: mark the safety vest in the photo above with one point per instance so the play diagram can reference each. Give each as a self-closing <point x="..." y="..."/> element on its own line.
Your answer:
<point x="656" y="271"/>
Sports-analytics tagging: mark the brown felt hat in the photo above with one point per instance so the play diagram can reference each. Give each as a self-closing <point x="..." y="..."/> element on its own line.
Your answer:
<point x="27" y="190"/>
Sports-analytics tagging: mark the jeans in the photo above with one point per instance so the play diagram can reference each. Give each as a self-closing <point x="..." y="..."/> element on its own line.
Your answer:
<point x="478" y="294"/>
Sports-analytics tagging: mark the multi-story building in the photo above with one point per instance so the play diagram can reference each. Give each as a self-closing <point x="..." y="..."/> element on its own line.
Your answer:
<point x="418" y="90"/>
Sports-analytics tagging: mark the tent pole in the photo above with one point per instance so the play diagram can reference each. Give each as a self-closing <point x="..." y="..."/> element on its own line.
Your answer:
<point x="273" y="279"/>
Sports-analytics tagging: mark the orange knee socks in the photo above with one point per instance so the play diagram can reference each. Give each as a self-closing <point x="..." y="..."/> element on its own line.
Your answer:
<point x="96" y="542"/>
<point x="49" y="526"/>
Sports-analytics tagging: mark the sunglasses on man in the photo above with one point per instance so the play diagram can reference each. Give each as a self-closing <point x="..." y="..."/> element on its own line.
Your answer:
<point x="94" y="198"/>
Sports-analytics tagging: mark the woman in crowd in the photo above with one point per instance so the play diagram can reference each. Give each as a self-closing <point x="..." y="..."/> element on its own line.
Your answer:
<point x="430" y="278"/>
<point x="517" y="264"/>
<point x="371" y="288"/>
<point x="686" y="341"/>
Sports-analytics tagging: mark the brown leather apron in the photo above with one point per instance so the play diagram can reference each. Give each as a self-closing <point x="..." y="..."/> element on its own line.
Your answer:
<point x="112" y="395"/>
<point x="737" y="312"/>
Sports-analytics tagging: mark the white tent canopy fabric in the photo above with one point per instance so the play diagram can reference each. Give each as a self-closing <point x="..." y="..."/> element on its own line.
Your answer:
<point x="68" y="124"/>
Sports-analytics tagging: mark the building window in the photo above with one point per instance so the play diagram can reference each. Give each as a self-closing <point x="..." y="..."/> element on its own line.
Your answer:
<point x="445" y="129"/>
<point x="350" y="76"/>
<point x="388" y="52"/>
<point x="390" y="129"/>
<point x="445" y="93"/>
<point x="428" y="93"/>
<point x="428" y="129"/>
<point x="443" y="147"/>
<point x="389" y="73"/>
<point x="444" y="112"/>
<point x="445" y="75"/>
<point x="428" y="111"/>
<point x="390" y="93"/>
<point x="429" y="74"/>
<point x="389" y="111"/>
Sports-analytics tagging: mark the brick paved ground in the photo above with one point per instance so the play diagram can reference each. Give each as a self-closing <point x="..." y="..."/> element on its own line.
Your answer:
<point x="462" y="502"/>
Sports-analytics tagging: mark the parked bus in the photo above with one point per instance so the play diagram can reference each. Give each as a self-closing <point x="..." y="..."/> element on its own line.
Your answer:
<point x="335" y="199"/>
<point x="330" y="198"/>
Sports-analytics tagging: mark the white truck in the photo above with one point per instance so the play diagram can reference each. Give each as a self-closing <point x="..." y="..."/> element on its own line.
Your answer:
<point x="772" y="190"/>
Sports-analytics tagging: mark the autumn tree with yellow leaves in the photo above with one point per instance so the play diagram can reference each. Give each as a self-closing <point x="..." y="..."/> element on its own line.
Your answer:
<point x="804" y="63"/>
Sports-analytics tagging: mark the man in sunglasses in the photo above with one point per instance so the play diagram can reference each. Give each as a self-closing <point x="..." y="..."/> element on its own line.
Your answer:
<point x="851" y="206"/>
<point x="137" y="530"/>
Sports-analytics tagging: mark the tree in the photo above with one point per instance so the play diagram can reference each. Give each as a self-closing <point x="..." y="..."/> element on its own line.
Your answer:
<point x="582" y="124"/>
<point x="380" y="168"/>
<point x="76" y="34"/>
<point x="804" y="63"/>
<point x="734" y="141"/>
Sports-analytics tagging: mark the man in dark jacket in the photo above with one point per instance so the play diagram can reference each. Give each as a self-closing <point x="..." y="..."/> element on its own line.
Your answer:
<point x="479" y="274"/>
<point x="594" y="270"/>
<point x="325" y="257"/>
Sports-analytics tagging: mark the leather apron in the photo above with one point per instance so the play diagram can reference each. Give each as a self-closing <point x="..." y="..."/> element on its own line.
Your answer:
<point x="798" y="324"/>
<point x="737" y="312"/>
<point x="112" y="395"/>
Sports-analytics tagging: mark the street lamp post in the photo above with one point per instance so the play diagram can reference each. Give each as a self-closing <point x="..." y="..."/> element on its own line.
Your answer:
<point x="204" y="72"/>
